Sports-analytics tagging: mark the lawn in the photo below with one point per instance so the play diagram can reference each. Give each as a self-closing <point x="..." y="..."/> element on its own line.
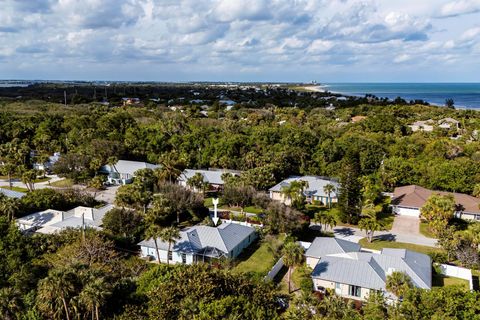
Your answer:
<point x="18" y="189"/>
<point x="425" y="230"/>
<point x="64" y="183"/>
<point x="42" y="179"/>
<point x="439" y="280"/>
<point x="258" y="258"/>
<point x="380" y="244"/>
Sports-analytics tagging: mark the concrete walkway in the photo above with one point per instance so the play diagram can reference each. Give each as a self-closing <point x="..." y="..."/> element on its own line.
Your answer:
<point x="404" y="229"/>
<point x="40" y="185"/>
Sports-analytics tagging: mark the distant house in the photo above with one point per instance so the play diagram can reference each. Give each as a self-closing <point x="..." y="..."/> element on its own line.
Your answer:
<point x="130" y="101"/>
<point x="11" y="193"/>
<point x="426" y="125"/>
<point x="314" y="192"/>
<point x="358" y="119"/>
<point x="52" y="221"/>
<point x="123" y="171"/>
<point x="211" y="176"/>
<point x="202" y="244"/>
<point x="48" y="165"/>
<point x="354" y="274"/>
<point x="408" y="200"/>
<point x="448" y="123"/>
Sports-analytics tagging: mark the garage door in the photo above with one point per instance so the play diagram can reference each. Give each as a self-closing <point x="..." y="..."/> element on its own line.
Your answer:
<point x="408" y="212"/>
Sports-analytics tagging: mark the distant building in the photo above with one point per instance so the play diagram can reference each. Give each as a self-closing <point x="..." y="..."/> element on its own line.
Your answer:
<point x="211" y="176"/>
<point x="52" y="221"/>
<point x="351" y="273"/>
<point x="123" y="171"/>
<point x="408" y="200"/>
<point x="48" y="165"/>
<point x="314" y="192"/>
<point x="202" y="244"/>
<point x="448" y="123"/>
<point x="130" y="101"/>
<point x="426" y="125"/>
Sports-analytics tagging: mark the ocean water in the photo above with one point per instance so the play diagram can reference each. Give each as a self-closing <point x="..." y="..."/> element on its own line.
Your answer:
<point x="465" y="95"/>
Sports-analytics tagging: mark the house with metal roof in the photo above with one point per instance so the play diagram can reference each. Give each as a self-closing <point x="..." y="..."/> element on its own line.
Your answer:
<point x="201" y="244"/>
<point x="123" y="171"/>
<point x="214" y="177"/>
<point x="52" y="221"/>
<point x="11" y="193"/>
<point x="323" y="246"/>
<point x="408" y="200"/>
<point x="315" y="191"/>
<point x="352" y="273"/>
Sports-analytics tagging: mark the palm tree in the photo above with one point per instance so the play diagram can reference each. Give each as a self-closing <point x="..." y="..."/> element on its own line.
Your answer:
<point x="294" y="190"/>
<point x="398" y="282"/>
<point x="292" y="256"/>
<point x="153" y="231"/>
<point x="330" y="221"/>
<point x="370" y="225"/>
<point x="55" y="290"/>
<point x="94" y="295"/>
<point x="328" y="189"/>
<point x="8" y="207"/>
<point x="169" y="234"/>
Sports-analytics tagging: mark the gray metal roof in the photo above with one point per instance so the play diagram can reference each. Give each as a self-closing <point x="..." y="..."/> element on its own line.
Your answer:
<point x="210" y="176"/>
<point x="315" y="185"/>
<point x="370" y="270"/>
<point x="11" y="193"/>
<point x="197" y="238"/>
<point x="128" y="167"/>
<point x="323" y="246"/>
<point x="73" y="219"/>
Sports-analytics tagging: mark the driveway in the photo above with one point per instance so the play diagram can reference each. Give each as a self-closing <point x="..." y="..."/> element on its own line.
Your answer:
<point x="107" y="195"/>
<point x="406" y="225"/>
<point x="404" y="229"/>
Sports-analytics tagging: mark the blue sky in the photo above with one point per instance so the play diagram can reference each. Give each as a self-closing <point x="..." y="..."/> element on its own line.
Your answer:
<point x="234" y="40"/>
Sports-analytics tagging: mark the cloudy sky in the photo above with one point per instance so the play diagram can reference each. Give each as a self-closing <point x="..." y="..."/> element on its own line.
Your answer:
<point x="241" y="40"/>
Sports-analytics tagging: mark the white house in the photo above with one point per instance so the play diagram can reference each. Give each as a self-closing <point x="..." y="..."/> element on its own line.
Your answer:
<point x="314" y="192"/>
<point x="201" y="244"/>
<point x="408" y="200"/>
<point x="123" y="171"/>
<point x="426" y="126"/>
<point x="48" y="165"/>
<point x="52" y="221"/>
<point x="354" y="274"/>
<point x="211" y="176"/>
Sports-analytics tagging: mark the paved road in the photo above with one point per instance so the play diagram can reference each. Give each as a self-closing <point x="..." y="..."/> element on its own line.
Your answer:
<point x="404" y="229"/>
<point x="39" y="185"/>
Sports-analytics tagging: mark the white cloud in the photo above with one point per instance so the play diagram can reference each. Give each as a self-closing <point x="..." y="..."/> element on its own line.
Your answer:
<point x="230" y="38"/>
<point x="460" y="7"/>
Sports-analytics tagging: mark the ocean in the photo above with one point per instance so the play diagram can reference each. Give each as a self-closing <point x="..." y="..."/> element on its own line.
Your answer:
<point x="465" y="95"/>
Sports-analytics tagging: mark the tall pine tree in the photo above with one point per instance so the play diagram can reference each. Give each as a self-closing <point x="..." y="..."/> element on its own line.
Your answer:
<point x="349" y="200"/>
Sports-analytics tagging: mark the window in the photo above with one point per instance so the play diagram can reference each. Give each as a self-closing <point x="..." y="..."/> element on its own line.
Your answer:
<point x="170" y="255"/>
<point x="354" y="291"/>
<point x="184" y="258"/>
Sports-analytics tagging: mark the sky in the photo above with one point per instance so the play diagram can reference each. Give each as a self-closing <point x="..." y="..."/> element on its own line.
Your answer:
<point x="241" y="40"/>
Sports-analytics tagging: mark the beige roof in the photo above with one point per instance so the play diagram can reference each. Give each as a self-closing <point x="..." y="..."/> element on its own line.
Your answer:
<point x="415" y="197"/>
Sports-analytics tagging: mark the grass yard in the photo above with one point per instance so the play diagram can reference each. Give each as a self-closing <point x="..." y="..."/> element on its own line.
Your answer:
<point x="64" y="183"/>
<point x="424" y="230"/>
<point x="439" y="280"/>
<point x="380" y="244"/>
<point x="18" y="189"/>
<point x="258" y="258"/>
<point x="41" y="179"/>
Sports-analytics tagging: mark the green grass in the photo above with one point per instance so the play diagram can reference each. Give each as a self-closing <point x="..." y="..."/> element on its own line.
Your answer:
<point x="257" y="259"/>
<point x="208" y="202"/>
<point x="252" y="209"/>
<point x="439" y="280"/>
<point x="380" y="244"/>
<point x="41" y="179"/>
<point x="424" y="230"/>
<point x="18" y="189"/>
<point x="64" y="183"/>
